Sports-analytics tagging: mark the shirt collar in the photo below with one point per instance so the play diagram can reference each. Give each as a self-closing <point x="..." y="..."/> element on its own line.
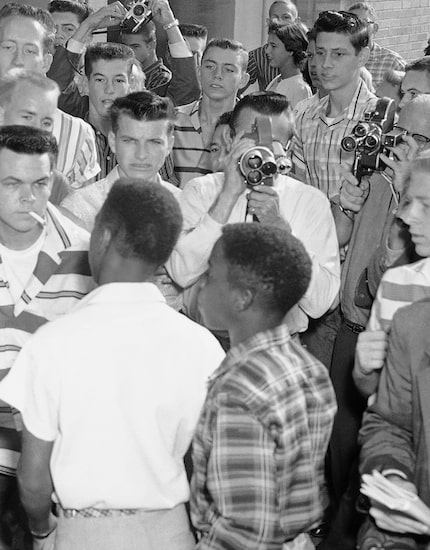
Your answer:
<point x="361" y="95"/>
<point x="123" y="293"/>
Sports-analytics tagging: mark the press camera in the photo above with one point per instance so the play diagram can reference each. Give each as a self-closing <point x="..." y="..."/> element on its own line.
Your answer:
<point x="371" y="137"/>
<point x="138" y="13"/>
<point x="260" y="163"/>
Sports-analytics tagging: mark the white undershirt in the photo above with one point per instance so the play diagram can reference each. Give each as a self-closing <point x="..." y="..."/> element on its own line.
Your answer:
<point x="18" y="265"/>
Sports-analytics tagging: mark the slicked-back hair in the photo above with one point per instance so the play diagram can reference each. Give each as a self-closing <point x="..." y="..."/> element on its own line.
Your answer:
<point x="69" y="6"/>
<point x="264" y="103"/>
<point x="293" y="37"/>
<point x="342" y="22"/>
<point x="38" y="14"/>
<point x="193" y="31"/>
<point x="108" y="51"/>
<point x="227" y="44"/>
<point x="143" y="218"/>
<point x="269" y="261"/>
<point x="422" y="64"/>
<point x="28" y="141"/>
<point x="146" y="31"/>
<point x="366" y="7"/>
<point x="144" y="105"/>
<point x="11" y="80"/>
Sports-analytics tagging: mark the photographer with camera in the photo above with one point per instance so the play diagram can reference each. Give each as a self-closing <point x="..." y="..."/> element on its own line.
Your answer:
<point x="212" y="201"/>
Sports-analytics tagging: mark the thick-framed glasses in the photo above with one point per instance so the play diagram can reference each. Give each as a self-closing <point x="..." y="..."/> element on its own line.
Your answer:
<point x="419" y="138"/>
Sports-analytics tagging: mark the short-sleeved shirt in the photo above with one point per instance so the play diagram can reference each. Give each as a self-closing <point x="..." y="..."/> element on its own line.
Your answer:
<point x="382" y="60"/>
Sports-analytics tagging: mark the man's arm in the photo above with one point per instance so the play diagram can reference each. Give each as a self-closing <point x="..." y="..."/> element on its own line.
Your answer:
<point x="35" y="483"/>
<point x="241" y="480"/>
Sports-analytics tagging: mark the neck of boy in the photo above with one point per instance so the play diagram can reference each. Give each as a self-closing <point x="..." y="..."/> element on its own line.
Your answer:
<point x="340" y="99"/>
<point x="255" y="322"/>
<point x="102" y="124"/>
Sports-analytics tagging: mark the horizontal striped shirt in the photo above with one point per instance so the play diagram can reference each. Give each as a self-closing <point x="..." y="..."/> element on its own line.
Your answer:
<point x="260" y="443"/>
<point x="317" y="143"/>
<point x="399" y="287"/>
<point x="190" y="156"/>
<point x="60" y="279"/>
<point x="382" y="60"/>
<point x="77" y="154"/>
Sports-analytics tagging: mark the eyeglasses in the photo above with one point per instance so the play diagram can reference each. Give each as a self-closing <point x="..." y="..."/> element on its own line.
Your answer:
<point x="419" y="138"/>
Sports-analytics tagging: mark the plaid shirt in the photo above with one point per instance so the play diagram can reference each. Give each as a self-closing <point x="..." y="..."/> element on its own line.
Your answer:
<point x="317" y="150"/>
<point x="382" y="60"/>
<point x="260" y="69"/>
<point x="259" y="446"/>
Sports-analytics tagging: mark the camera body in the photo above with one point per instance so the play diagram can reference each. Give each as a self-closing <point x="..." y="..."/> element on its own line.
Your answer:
<point x="138" y="13"/>
<point x="260" y="163"/>
<point x="370" y="138"/>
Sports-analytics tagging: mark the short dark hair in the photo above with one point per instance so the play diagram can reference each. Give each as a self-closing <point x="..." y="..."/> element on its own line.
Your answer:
<point x="224" y="119"/>
<point x="10" y="81"/>
<point x="293" y="36"/>
<point x="29" y="141"/>
<point x="144" y="219"/>
<point x="422" y="64"/>
<point x="107" y="51"/>
<point x="268" y="260"/>
<point x="38" y="14"/>
<point x="366" y="7"/>
<point x="227" y="44"/>
<point x="69" y="6"/>
<point x="146" y="31"/>
<point x="192" y="30"/>
<point x="144" y="105"/>
<point x="342" y="22"/>
<point x="264" y="103"/>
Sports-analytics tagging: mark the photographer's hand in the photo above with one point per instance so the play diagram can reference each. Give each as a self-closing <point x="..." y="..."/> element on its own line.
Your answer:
<point x="352" y="194"/>
<point x="398" y="164"/>
<point x="161" y="11"/>
<point x="263" y="202"/>
<point x="110" y="15"/>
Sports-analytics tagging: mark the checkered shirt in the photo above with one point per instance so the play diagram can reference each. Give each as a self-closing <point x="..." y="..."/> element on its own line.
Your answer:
<point x="317" y="150"/>
<point x="259" y="447"/>
<point x="382" y="60"/>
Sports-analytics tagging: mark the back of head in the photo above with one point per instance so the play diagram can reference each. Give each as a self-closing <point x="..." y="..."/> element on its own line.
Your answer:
<point x="146" y="31"/>
<point x="28" y="141"/>
<point x="366" y="7"/>
<point x="269" y="261"/>
<point x="227" y="44"/>
<point x="143" y="219"/>
<point x="422" y="64"/>
<point x="294" y="38"/>
<point x="191" y="30"/>
<point x="264" y="103"/>
<point x="40" y="15"/>
<point x="12" y="79"/>
<point x="69" y="6"/>
<point x="342" y="22"/>
<point x="144" y="105"/>
<point x="108" y="51"/>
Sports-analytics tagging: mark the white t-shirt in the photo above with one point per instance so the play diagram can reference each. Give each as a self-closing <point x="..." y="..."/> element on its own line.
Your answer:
<point x="293" y="88"/>
<point x="118" y="384"/>
<point x="18" y="265"/>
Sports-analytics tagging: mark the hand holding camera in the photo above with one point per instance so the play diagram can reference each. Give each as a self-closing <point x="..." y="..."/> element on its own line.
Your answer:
<point x="353" y="194"/>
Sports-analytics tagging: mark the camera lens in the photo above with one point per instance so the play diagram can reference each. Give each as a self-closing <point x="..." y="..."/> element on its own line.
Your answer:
<point x="254" y="177"/>
<point x="255" y="161"/>
<point x="349" y="144"/>
<point x="371" y="142"/>
<point x="139" y="10"/>
<point x="269" y="168"/>
<point x="361" y="130"/>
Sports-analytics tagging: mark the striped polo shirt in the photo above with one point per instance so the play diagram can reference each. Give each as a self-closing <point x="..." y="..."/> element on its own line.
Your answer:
<point x="60" y="279"/>
<point x="399" y="287"/>
<point x="77" y="154"/>
<point x="190" y="157"/>
<point x="317" y="145"/>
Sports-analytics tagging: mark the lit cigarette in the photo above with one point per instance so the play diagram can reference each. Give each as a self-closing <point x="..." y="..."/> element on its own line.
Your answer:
<point x="38" y="218"/>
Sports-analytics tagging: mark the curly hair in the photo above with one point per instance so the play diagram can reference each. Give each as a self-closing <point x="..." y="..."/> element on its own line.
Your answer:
<point x="268" y="260"/>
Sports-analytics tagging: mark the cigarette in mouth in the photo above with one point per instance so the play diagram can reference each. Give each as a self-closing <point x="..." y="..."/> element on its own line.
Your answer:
<point x="38" y="218"/>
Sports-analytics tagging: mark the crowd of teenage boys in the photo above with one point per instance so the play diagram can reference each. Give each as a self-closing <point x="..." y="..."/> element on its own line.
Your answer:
<point x="188" y="360"/>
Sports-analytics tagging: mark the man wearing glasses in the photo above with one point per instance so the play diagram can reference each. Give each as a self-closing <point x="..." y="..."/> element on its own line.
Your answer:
<point x="416" y="80"/>
<point x="381" y="59"/>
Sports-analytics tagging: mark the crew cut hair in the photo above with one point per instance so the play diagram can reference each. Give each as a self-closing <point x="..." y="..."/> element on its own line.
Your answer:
<point x="422" y="64"/>
<point x="267" y="103"/>
<point x="269" y="261"/>
<point x="108" y="51"/>
<point x="10" y="81"/>
<point x="144" y="105"/>
<point x="38" y="14"/>
<point x="29" y="141"/>
<point x="227" y="44"/>
<point x="69" y="6"/>
<point x="143" y="218"/>
<point x="193" y="30"/>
